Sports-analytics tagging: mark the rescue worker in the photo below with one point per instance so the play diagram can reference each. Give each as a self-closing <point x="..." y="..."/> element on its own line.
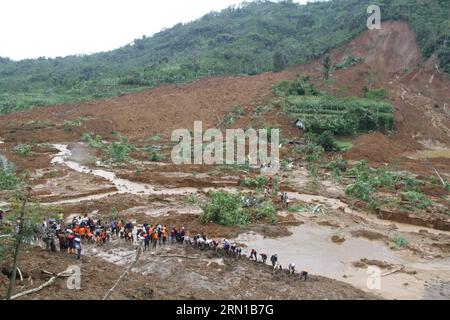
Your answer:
<point x="164" y="234"/>
<point x="253" y="255"/>
<point x="62" y="241"/>
<point x="77" y="241"/>
<point x="263" y="257"/>
<point x="304" y="274"/>
<point x="226" y="245"/>
<point x="291" y="268"/>
<point x="70" y="242"/>
<point x="146" y="241"/>
<point x="173" y="233"/>
<point x="159" y="234"/>
<point x="49" y="239"/>
<point x="154" y="238"/>
<point x="274" y="260"/>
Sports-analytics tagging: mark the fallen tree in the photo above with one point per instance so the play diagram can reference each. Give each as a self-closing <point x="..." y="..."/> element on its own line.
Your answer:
<point x="65" y="273"/>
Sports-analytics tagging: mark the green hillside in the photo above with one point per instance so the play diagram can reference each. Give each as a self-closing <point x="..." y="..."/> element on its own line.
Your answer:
<point x="240" y="40"/>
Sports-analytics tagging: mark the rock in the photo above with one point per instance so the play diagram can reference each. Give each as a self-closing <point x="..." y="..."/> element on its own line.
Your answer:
<point x="337" y="239"/>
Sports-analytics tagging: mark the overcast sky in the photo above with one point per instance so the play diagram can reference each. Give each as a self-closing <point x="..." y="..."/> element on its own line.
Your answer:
<point x="51" y="28"/>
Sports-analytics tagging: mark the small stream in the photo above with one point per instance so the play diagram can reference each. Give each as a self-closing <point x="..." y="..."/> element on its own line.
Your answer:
<point x="122" y="185"/>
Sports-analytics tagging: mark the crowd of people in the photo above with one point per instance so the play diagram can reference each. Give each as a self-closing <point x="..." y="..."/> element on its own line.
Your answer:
<point x="84" y="230"/>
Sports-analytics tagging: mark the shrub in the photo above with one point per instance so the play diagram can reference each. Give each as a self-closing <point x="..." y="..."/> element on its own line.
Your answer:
<point x="155" y="157"/>
<point x="350" y="60"/>
<point x="192" y="199"/>
<point x="298" y="87"/>
<point x="8" y="180"/>
<point x="257" y="183"/>
<point x="224" y="208"/>
<point x="93" y="141"/>
<point x="327" y="142"/>
<point x="337" y="167"/>
<point x="399" y="241"/>
<point x="23" y="150"/>
<point x="364" y="118"/>
<point x="447" y="186"/>
<point x="233" y="115"/>
<point x="119" y="151"/>
<point x="360" y="190"/>
<point x="417" y="199"/>
<point x="311" y="151"/>
<point x="376" y="94"/>
<point x="267" y="210"/>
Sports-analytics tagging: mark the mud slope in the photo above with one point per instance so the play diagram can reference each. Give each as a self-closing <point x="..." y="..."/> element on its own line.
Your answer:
<point x="390" y="59"/>
<point x="162" y="109"/>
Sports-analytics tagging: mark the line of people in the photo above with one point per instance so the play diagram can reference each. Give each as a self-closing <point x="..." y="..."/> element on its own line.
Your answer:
<point x="84" y="230"/>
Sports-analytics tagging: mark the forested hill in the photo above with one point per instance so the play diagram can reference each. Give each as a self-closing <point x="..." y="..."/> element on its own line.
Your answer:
<point x="237" y="40"/>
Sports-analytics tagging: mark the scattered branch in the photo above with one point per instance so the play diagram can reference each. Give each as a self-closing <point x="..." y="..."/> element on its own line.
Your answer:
<point x="44" y="285"/>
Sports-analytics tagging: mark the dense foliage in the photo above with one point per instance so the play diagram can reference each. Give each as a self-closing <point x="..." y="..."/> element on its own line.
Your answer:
<point x="228" y="209"/>
<point x="247" y="39"/>
<point x="8" y="178"/>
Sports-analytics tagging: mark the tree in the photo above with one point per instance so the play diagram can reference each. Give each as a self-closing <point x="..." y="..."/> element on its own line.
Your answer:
<point x="327" y="66"/>
<point x="28" y="217"/>
<point x="278" y="62"/>
<point x="327" y="142"/>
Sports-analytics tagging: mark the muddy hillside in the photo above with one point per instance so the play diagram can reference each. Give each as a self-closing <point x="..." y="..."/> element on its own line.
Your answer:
<point x="380" y="200"/>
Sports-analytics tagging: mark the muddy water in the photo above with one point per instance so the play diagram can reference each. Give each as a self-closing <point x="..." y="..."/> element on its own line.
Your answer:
<point x="310" y="247"/>
<point x="430" y="154"/>
<point x="122" y="185"/>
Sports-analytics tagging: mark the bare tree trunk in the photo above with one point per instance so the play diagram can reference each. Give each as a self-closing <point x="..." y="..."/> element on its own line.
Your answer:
<point x="12" y="280"/>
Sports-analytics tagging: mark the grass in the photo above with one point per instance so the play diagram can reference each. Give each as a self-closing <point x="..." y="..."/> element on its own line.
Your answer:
<point x="369" y="180"/>
<point x="328" y="105"/>
<point x="257" y="183"/>
<point x="23" y="150"/>
<point x="417" y="199"/>
<point x="8" y="180"/>
<point x="300" y="208"/>
<point x="231" y="209"/>
<point x="399" y="241"/>
<point x="344" y="145"/>
<point x="95" y="141"/>
<point x="233" y="116"/>
<point x="119" y="151"/>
